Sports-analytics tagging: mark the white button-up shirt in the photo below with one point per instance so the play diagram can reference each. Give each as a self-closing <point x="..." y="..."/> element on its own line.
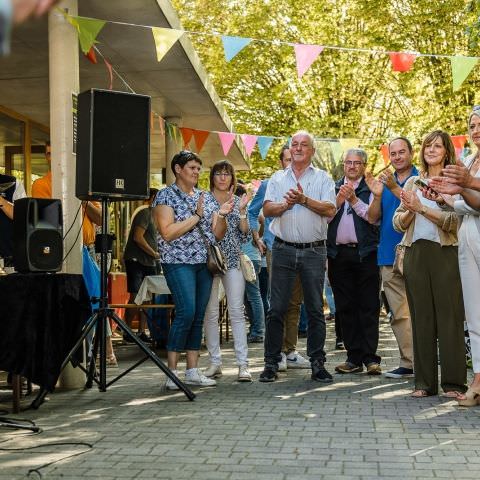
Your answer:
<point x="300" y="224"/>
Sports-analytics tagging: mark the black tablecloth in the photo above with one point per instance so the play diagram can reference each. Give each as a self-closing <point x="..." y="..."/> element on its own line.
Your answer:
<point x="41" y="318"/>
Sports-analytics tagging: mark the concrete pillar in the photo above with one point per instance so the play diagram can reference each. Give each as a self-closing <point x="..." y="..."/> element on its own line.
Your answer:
<point x="64" y="80"/>
<point x="172" y="147"/>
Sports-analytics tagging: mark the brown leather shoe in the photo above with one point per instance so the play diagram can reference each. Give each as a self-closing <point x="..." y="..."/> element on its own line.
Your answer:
<point x="374" y="369"/>
<point x="348" y="367"/>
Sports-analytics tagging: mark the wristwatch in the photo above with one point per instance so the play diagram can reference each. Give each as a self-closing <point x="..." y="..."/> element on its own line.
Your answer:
<point x="423" y="211"/>
<point x="305" y="201"/>
<point x="243" y="215"/>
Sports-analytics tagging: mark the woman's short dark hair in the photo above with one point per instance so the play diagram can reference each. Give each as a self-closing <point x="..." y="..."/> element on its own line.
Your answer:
<point x="182" y="158"/>
<point x="284" y="147"/>
<point x="447" y="143"/>
<point x="223" y="166"/>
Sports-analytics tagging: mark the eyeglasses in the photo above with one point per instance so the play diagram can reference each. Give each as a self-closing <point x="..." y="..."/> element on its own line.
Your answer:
<point x="351" y="163"/>
<point x="222" y="174"/>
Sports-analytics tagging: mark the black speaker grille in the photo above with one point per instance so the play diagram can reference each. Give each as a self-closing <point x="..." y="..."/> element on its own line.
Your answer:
<point x="113" y="146"/>
<point x="46" y="250"/>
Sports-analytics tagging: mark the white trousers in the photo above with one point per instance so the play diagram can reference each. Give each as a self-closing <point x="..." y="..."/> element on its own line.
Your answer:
<point x="234" y="285"/>
<point x="469" y="262"/>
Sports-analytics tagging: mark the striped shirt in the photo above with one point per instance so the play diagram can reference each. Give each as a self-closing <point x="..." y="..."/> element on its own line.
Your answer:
<point x="300" y="224"/>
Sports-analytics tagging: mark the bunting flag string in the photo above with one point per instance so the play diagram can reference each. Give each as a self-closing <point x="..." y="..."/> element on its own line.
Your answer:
<point x="305" y="54"/>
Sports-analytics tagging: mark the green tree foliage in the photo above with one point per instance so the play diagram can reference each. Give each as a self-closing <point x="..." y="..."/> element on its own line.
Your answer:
<point x="344" y="94"/>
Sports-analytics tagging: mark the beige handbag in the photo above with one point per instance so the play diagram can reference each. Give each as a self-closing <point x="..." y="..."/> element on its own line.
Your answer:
<point x="248" y="269"/>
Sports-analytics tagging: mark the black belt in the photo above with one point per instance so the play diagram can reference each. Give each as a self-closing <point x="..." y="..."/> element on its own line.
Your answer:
<point x="348" y="245"/>
<point x="318" y="243"/>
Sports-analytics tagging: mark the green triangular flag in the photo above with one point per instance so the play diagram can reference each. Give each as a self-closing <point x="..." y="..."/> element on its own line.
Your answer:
<point x="461" y="67"/>
<point x="88" y="30"/>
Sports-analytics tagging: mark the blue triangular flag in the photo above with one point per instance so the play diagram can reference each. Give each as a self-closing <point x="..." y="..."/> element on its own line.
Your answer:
<point x="264" y="144"/>
<point x="233" y="45"/>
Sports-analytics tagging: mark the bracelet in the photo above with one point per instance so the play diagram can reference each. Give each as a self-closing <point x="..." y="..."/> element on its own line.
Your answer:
<point x="305" y="201"/>
<point x="423" y="211"/>
<point x="221" y="215"/>
<point x="198" y="215"/>
<point x="243" y="215"/>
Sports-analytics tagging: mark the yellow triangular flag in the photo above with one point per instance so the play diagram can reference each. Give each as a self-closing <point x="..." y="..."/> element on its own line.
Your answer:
<point x="461" y="68"/>
<point x="164" y="40"/>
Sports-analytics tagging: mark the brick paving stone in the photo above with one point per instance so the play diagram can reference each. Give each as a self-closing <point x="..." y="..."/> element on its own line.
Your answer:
<point x="358" y="428"/>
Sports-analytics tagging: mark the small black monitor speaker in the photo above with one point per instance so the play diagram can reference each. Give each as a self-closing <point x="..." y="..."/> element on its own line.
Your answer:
<point x="113" y="145"/>
<point x="37" y="235"/>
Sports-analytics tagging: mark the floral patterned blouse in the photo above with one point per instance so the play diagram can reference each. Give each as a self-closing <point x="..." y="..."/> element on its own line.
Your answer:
<point x="231" y="243"/>
<point x="190" y="247"/>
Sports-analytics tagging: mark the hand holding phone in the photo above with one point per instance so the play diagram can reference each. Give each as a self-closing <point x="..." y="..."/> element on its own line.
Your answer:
<point x="420" y="182"/>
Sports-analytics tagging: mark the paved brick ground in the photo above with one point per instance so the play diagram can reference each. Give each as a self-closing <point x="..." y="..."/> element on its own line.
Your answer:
<point x="358" y="428"/>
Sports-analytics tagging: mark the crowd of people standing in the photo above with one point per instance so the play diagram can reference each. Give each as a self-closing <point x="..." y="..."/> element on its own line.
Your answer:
<point x="416" y="231"/>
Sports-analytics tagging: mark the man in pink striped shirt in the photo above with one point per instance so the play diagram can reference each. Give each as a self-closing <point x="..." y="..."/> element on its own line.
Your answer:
<point x="352" y="267"/>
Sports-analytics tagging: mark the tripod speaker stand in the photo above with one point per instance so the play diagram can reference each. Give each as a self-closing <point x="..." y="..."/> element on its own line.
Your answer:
<point x="98" y="321"/>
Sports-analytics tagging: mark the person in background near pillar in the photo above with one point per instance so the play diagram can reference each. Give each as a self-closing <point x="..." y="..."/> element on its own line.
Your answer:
<point x="290" y="358"/>
<point x="141" y="252"/>
<point x="300" y="198"/>
<point x="14" y="191"/>
<point x="352" y="267"/>
<point x="400" y="151"/>
<point x="92" y="215"/>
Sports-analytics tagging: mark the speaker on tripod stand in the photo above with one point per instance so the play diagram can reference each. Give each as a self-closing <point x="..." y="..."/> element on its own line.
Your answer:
<point x="113" y="157"/>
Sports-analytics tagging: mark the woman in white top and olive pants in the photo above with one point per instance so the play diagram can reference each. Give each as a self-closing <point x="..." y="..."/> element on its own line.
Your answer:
<point x="432" y="278"/>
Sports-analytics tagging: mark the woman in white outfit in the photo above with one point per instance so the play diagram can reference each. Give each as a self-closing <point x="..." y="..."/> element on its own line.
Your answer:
<point x="468" y="246"/>
<point x="222" y="186"/>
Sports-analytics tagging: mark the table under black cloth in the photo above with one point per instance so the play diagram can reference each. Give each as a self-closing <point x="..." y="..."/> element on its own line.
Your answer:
<point x="41" y="318"/>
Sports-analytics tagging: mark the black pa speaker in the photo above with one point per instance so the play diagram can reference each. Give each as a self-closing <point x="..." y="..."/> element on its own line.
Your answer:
<point x="37" y="235"/>
<point x="113" y="145"/>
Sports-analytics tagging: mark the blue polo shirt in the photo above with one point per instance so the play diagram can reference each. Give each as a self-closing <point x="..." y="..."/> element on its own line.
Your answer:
<point x="389" y="238"/>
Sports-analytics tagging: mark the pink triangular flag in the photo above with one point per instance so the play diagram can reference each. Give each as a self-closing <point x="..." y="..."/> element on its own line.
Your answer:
<point x="249" y="141"/>
<point x="306" y="55"/>
<point x="226" y="139"/>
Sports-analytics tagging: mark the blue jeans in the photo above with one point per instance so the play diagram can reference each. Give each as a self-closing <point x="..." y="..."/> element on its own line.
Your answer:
<point x="287" y="263"/>
<point x="254" y="304"/>
<point x="190" y="285"/>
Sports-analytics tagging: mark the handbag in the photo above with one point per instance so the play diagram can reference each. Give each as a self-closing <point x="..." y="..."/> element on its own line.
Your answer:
<point x="216" y="262"/>
<point x="248" y="269"/>
<point x="399" y="257"/>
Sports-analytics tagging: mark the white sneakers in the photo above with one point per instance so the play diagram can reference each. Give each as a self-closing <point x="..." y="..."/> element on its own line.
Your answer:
<point x="213" y="371"/>
<point x="169" y="385"/>
<point x="295" y="360"/>
<point x="282" y="364"/>
<point x="292" y="360"/>
<point x="243" y="374"/>
<point x="194" y="376"/>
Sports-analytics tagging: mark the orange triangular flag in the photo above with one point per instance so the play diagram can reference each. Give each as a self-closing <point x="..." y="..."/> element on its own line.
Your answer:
<point x="200" y="138"/>
<point x="186" y="135"/>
